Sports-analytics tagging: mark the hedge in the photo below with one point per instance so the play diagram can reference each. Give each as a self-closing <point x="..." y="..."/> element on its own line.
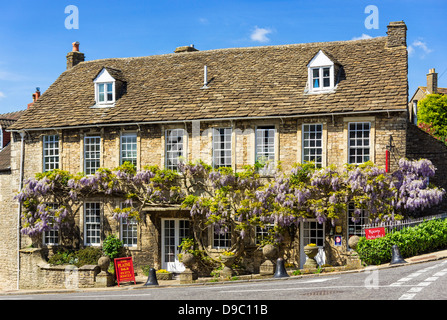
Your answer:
<point x="426" y="237"/>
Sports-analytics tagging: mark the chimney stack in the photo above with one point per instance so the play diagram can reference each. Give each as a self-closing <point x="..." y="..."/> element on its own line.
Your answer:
<point x="397" y="34"/>
<point x="189" y="48"/>
<point x="36" y="95"/>
<point x="432" y="81"/>
<point x="74" y="57"/>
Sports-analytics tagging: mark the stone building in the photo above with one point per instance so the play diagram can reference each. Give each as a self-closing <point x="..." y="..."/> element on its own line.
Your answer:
<point x="433" y="149"/>
<point x="332" y="103"/>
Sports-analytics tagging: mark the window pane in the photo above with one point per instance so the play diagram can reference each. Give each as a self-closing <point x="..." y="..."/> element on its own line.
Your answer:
<point x="50" y="152"/>
<point x="92" y="216"/>
<point x="312" y="143"/>
<point x="222" y="147"/>
<point x="265" y="144"/>
<point x="359" y="142"/>
<point x="129" y="148"/>
<point x="174" y="148"/>
<point x="92" y="154"/>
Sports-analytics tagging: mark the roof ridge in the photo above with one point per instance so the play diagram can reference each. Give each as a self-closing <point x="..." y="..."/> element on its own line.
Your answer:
<point x="173" y="54"/>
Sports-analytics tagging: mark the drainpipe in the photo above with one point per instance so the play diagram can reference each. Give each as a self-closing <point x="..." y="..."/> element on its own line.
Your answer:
<point x="19" y="211"/>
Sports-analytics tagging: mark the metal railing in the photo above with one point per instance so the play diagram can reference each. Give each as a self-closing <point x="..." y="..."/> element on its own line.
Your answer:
<point x="393" y="226"/>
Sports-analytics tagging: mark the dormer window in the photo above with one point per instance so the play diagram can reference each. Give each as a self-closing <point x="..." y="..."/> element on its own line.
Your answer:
<point x="105" y="92"/>
<point x="321" y="74"/>
<point x="321" y="78"/>
<point x="108" y="83"/>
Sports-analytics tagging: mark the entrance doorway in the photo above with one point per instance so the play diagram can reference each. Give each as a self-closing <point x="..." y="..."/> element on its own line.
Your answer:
<point x="172" y="233"/>
<point x="312" y="232"/>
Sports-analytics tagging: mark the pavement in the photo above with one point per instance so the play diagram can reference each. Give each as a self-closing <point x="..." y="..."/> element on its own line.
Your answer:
<point x="140" y="281"/>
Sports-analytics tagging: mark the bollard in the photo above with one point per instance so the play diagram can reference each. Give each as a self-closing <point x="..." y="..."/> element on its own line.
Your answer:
<point x="396" y="256"/>
<point x="280" y="269"/>
<point x="152" y="279"/>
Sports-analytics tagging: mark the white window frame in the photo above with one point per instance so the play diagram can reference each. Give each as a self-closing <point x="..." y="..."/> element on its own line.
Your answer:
<point x="319" y="62"/>
<point x="174" y="150"/>
<point x="261" y="145"/>
<point x="50" y="152"/>
<point x="88" y="158"/>
<point x="124" y="148"/>
<point x="92" y="226"/>
<point x="321" y="77"/>
<point x="359" y="143"/>
<point x="222" y="147"/>
<point x="221" y="240"/>
<point x="49" y="237"/>
<point x="104" y="78"/>
<point x="261" y="233"/>
<point x="1" y="138"/>
<point x="310" y="143"/>
<point x="128" y="226"/>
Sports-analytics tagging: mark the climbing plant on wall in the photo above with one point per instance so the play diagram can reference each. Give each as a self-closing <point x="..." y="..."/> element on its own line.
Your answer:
<point x="234" y="201"/>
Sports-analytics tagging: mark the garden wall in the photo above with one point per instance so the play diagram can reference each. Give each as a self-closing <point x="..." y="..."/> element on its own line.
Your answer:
<point x="36" y="273"/>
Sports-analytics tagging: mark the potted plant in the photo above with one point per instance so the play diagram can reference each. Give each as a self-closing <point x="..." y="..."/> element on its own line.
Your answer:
<point x="163" y="274"/>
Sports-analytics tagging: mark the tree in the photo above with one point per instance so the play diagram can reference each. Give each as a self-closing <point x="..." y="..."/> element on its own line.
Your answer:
<point x="432" y="115"/>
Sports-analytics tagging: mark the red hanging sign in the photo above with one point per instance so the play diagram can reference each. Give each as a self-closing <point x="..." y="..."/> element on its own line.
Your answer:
<point x="374" y="233"/>
<point x="124" y="270"/>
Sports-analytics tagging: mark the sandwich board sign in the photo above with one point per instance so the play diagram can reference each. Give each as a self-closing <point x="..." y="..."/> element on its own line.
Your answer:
<point x="124" y="270"/>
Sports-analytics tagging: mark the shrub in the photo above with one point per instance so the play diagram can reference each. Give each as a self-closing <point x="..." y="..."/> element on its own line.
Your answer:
<point x="89" y="255"/>
<point x="78" y="258"/>
<point x="426" y="237"/>
<point x="112" y="247"/>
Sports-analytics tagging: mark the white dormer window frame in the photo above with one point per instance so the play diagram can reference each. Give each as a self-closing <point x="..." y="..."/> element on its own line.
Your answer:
<point x="105" y="89"/>
<point x="321" y="74"/>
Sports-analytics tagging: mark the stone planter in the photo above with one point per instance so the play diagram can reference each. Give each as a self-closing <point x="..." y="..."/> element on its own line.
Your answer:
<point x="270" y="253"/>
<point x="164" y="275"/>
<point x="311" y="252"/>
<point x="188" y="260"/>
<point x="227" y="261"/>
<point x="104" y="278"/>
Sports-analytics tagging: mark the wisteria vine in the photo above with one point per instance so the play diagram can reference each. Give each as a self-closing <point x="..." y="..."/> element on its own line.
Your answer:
<point x="236" y="200"/>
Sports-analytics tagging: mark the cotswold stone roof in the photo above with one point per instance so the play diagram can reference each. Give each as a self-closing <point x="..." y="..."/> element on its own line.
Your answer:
<point x="243" y="82"/>
<point x="6" y="119"/>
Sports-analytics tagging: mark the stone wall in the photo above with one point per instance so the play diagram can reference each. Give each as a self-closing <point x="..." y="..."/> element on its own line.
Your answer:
<point x="150" y="145"/>
<point x="36" y="273"/>
<point x="422" y="145"/>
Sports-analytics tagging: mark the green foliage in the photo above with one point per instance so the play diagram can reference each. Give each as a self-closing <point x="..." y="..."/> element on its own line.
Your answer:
<point x="112" y="247"/>
<point x="86" y="256"/>
<point x="426" y="237"/>
<point x="433" y="110"/>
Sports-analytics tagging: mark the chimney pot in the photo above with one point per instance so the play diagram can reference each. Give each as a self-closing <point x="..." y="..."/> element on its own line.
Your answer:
<point x="75" y="46"/>
<point x="74" y="57"/>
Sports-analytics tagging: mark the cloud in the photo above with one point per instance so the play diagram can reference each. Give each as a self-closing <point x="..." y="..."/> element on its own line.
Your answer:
<point x="260" y="34"/>
<point x="2" y="95"/>
<point x="203" y="21"/>
<point x="363" y="36"/>
<point x="419" y="46"/>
